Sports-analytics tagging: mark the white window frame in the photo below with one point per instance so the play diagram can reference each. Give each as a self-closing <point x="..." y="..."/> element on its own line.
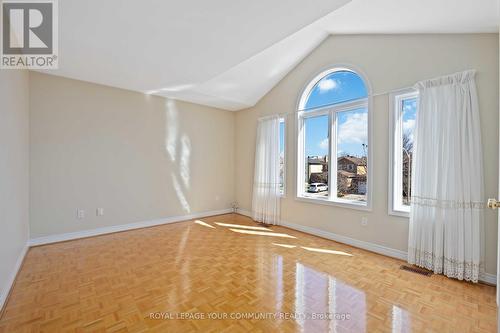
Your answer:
<point x="283" y="120"/>
<point x="395" y="185"/>
<point x="331" y="111"/>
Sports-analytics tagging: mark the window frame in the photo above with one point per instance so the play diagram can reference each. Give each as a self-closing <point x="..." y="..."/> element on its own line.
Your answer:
<point x="283" y="120"/>
<point x="331" y="111"/>
<point x="395" y="178"/>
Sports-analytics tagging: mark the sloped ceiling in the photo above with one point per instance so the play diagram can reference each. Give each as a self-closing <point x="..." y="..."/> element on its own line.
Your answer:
<point x="230" y="53"/>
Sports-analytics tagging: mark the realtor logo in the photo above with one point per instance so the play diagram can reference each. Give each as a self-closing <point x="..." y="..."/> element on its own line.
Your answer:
<point x="29" y="34"/>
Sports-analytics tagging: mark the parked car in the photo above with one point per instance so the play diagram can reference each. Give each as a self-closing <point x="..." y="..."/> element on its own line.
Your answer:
<point x="317" y="187"/>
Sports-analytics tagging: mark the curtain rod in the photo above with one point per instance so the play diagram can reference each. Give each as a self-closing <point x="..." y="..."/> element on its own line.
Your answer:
<point x="390" y="91"/>
<point x="371" y="95"/>
<point x="327" y="105"/>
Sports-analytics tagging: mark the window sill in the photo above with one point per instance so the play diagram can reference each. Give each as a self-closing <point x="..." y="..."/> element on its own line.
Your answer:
<point x="400" y="213"/>
<point x="343" y="204"/>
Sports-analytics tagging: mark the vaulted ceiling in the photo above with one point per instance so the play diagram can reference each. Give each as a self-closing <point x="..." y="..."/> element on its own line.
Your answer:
<point x="230" y="53"/>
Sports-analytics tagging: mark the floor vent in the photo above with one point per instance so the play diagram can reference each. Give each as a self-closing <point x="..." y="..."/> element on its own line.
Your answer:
<point x="416" y="270"/>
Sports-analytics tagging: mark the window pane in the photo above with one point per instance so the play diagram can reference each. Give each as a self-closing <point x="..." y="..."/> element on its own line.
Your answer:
<point x="337" y="87"/>
<point x="282" y="157"/>
<point x="352" y="154"/>
<point x="409" y="110"/>
<point x="316" y="156"/>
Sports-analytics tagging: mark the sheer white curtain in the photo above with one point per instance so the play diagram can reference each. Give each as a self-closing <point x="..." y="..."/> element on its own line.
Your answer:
<point x="266" y="185"/>
<point x="446" y="219"/>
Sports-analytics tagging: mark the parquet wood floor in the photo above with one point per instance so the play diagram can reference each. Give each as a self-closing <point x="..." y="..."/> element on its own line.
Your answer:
<point x="126" y="282"/>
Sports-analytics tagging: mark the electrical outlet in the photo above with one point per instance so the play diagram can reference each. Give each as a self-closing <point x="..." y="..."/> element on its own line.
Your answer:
<point x="99" y="212"/>
<point x="80" y="214"/>
<point x="364" y="221"/>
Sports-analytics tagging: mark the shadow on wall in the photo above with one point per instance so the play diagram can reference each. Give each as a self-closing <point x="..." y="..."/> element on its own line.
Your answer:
<point x="178" y="150"/>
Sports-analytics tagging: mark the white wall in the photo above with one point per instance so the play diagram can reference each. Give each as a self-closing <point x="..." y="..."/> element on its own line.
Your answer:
<point x="390" y="62"/>
<point x="14" y="174"/>
<point x="139" y="157"/>
<point x="143" y="157"/>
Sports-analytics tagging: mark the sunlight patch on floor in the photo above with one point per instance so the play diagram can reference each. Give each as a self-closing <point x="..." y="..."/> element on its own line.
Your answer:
<point x="315" y="249"/>
<point x="242" y="226"/>
<point x="261" y="233"/>
<point x="288" y="246"/>
<point x="204" y="224"/>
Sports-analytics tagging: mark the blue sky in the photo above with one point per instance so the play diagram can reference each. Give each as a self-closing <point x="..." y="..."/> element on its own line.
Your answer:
<point x="316" y="136"/>
<point x="409" y="114"/>
<point x="352" y="128"/>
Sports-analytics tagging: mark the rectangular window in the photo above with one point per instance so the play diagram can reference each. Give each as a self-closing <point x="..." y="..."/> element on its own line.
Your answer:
<point x="282" y="156"/>
<point x="352" y="153"/>
<point x="404" y="111"/>
<point x="333" y="154"/>
<point x="316" y="157"/>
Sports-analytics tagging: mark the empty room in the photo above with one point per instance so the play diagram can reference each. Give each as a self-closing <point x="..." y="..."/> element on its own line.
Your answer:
<point x="249" y="166"/>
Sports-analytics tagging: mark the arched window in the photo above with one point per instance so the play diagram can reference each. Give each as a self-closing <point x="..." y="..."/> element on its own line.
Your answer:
<point x="333" y="139"/>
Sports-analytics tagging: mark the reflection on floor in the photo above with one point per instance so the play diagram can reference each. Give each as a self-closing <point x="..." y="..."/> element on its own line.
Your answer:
<point x="188" y="277"/>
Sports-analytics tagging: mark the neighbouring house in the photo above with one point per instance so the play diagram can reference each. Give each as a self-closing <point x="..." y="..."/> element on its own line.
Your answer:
<point x="317" y="169"/>
<point x="352" y="164"/>
<point x="351" y="175"/>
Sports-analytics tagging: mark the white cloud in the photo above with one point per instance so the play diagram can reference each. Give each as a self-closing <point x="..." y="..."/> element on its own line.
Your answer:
<point x="354" y="129"/>
<point x="323" y="144"/>
<point x="327" y="85"/>
<point x="409" y="125"/>
<point x="410" y="107"/>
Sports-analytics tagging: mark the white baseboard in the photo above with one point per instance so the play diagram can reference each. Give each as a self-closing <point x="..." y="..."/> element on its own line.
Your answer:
<point x="12" y="277"/>
<point x="122" y="227"/>
<point x="387" y="251"/>
<point x="244" y="212"/>
<point x="488" y="278"/>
